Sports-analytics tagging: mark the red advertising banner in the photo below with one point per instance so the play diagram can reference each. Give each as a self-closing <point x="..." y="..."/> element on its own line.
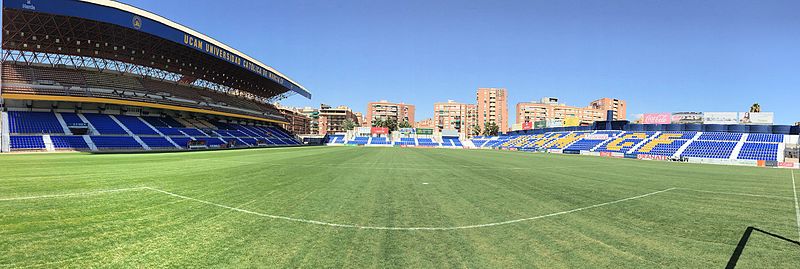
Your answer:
<point x="527" y="125"/>
<point x="785" y="164"/>
<point x="380" y="130"/>
<point x="657" y="118"/>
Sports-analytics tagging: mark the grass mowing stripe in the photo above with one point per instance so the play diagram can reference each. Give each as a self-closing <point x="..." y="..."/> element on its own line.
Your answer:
<point x="343" y="225"/>
<point x="70" y="194"/>
<point x="145" y="228"/>
<point x="351" y="225"/>
<point x="738" y="193"/>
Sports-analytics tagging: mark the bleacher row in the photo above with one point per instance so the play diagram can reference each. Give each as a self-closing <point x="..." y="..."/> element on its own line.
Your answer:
<point x="715" y="145"/>
<point x="405" y="141"/>
<point x="32" y="130"/>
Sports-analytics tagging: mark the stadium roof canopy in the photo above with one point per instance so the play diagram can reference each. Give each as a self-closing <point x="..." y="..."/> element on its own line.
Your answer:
<point x="102" y="29"/>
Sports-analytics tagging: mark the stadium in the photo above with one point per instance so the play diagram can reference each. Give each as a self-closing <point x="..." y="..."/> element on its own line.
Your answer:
<point x="165" y="149"/>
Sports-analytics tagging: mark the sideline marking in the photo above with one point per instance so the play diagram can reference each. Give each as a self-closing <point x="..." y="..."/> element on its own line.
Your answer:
<point x="796" y="205"/>
<point x="739" y="193"/>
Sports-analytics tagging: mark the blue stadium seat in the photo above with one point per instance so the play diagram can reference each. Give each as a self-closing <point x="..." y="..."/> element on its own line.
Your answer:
<point x="135" y="125"/>
<point x="478" y="142"/>
<point x="405" y="141"/>
<point x="359" y="140"/>
<point x="34" y="123"/>
<point x="27" y="142"/>
<point x="710" y="149"/>
<point x="211" y="141"/>
<point x="759" y="151"/>
<point x="427" y="142"/>
<point x="71" y="119"/>
<point x="183" y="142"/>
<point x="717" y="136"/>
<point x="69" y="142"/>
<point x="336" y="139"/>
<point x="451" y="141"/>
<point x="170" y="131"/>
<point x="584" y="144"/>
<point x="379" y="141"/>
<point x="104" y="124"/>
<point x="250" y="141"/>
<point x="192" y="132"/>
<point x="774" y="138"/>
<point x="115" y="142"/>
<point x="157" y="142"/>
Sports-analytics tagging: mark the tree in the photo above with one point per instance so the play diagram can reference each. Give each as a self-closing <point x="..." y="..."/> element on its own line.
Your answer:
<point x="348" y="124"/>
<point x="404" y="124"/>
<point x="377" y="122"/>
<point x="755" y="108"/>
<point x="490" y="129"/>
<point x="391" y="124"/>
<point x="476" y="130"/>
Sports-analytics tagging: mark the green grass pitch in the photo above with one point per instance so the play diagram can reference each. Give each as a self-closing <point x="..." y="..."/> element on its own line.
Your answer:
<point x="356" y="207"/>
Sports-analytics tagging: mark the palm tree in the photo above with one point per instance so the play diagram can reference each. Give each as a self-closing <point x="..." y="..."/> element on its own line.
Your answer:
<point x="404" y="124"/>
<point x="476" y="130"/>
<point x="490" y="129"/>
<point x="348" y="124"/>
<point x="755" y="108"/>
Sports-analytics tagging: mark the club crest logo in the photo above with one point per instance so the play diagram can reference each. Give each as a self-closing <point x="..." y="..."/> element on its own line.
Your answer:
<point x="28" y="5"/>
<point x="137" y="22"/>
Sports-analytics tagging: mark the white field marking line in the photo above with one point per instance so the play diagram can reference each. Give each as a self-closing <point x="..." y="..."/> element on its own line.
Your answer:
<point x="796" y="205"/>
<point x="738" y="193"/>
<point x="408" y="228"/>
<point x="71" y="194"/>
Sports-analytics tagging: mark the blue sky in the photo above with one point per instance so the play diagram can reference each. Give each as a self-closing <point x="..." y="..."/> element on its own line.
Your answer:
<point x="660" y="56"/>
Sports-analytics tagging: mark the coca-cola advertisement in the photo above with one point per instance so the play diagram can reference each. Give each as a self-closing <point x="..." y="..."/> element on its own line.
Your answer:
<point x="657" y="118"/>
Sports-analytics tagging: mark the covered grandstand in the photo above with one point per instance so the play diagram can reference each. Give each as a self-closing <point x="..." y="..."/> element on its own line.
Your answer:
<point x="100" y="75"/>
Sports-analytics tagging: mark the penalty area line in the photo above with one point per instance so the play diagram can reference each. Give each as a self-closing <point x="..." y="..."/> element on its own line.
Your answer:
<point x="339" y="225"/>
<point x="408" y="228"/>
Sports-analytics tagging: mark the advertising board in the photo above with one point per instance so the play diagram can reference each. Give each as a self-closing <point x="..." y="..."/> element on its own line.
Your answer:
<point x="406" y="130"/>
<point x="555" y="123"/>
<point x="527" y="125"/>
<point x="424" y="131"/>
<point x="379" y="130"/>
<point x="758" y="118"/>
<point x="657" y="118"/>
<point x="363" y="130"/>
<point x="720" y="118"/>
<point x="572" y="121"/>
<point x="450" y="132"/>
<point x="596" y="137"/>
<point x="687" y="117"/>
<point x="652" y="157"/>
